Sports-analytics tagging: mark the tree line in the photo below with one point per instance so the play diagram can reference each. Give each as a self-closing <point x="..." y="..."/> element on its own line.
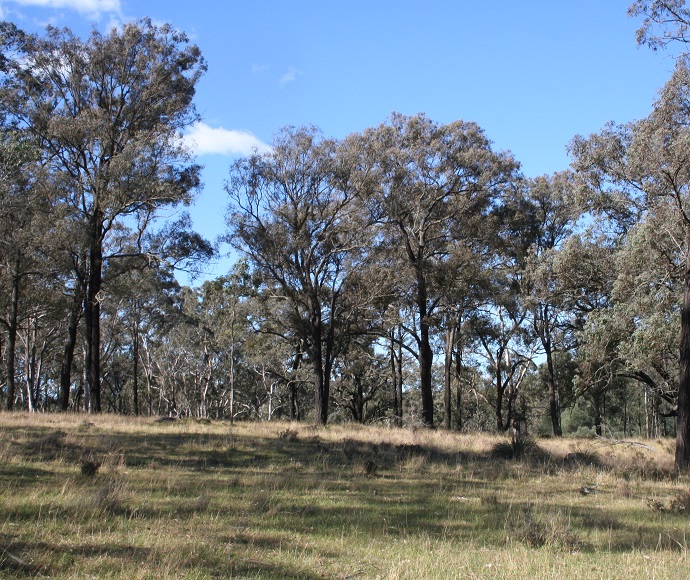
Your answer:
<point x="405" y="274"/>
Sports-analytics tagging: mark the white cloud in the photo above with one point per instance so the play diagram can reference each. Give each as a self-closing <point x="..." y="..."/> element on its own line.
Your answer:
<point x="290" y="76"/>
<point x="206" y="140"/>
<point x="90" y="7"/>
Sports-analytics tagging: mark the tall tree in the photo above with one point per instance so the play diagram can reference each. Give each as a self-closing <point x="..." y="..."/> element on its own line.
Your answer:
<point x="434" y="185"/>
<point x="554" y="214"/>
<point x="294" y="212"/>
<point x="107" y="113"/>
<point x="23" y="218"/>
<point x="645" y="165"/>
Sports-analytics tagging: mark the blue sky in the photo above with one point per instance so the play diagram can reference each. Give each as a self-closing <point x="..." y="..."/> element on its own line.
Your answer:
<point x="531" y="73"/>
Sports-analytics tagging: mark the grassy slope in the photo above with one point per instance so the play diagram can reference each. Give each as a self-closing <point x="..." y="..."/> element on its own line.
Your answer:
<point x="203" y="499"/>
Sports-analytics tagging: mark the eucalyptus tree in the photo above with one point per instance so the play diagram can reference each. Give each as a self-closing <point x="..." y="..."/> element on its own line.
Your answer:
<point x="107" y="113"/>
<point x="225" y="311"/>
<point x="24" y="218"/>
<point x="645" y="165"/>
<point x="665" y="22"/>
<point x="435" y="184"/>
<point x="554" y="213"/>
<point x="295" y="214"/>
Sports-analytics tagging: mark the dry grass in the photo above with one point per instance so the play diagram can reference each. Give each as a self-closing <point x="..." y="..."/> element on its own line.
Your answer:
<point x="268" y="500"/>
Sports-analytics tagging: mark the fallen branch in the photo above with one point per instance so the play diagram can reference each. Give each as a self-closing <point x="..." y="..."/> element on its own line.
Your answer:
<point x="18" y="562"/>
<point x="624" y="442"/>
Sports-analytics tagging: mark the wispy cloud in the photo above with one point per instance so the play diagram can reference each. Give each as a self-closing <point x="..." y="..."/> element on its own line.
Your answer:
<point x="290" y="76"/>
<point x="87" y="7"/>
<point x="259" y="68"/>
<point x="207" y="140"/>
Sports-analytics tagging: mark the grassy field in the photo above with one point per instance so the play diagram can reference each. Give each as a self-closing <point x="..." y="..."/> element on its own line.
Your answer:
<point x="113" y="497"/>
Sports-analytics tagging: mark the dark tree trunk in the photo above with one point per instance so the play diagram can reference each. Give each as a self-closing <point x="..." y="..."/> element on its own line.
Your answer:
<point x="597" y="416"/>
<point x="92" y="316"/>
<point x="458" y="390"/>
<point x="425" y="354"/>
<point x="135" y="369"/>
<point x="294" y="409"/>
<point x="683" y="418"/>
<point x="358" y="401"/>
<point x="12" y="327"/>
<point x="316" y="354"/>
<point x="396" y="375"/>
<point x="554" y="405"/>
<point x="448" y="375"/>
<point x="68" y="352"/>
<point x="399" y="385"/>
<point x="500" y="388"/>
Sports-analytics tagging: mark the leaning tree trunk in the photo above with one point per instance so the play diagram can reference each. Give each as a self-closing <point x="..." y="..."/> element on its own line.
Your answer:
<point x="683" y="418"/>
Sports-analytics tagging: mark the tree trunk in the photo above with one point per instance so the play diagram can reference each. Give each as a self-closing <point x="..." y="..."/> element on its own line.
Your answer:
<point x="396" y="375"/>
<point x="554" y="406"/>
<point x="597" y="416"/>
<point x="448" y="374"/>
<point x="135" y="369"/>
<point x="320" y="395"/>
<point x="458" y="389"/>
<point x="294" y="408"/>
<point x="320" y="392"/>
<point x="500" y="388"/>
<point x="683" y="417"/>
<point x="12" y="342"/>
<point x="425" y="355"/>
<point x="92" y="316"/>
<point x="68" y="352"/>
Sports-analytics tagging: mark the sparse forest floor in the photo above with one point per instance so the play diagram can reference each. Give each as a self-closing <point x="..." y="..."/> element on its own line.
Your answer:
<point x="108" y="496"/>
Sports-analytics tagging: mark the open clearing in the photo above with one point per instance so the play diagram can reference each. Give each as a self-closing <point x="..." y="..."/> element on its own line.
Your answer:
<point x="108" y="496"/>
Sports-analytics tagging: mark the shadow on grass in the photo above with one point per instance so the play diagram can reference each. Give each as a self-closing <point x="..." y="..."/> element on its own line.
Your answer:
<point x="309" y="486"/>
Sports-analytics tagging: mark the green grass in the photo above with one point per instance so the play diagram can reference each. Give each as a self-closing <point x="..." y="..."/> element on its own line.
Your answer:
<point x="202" y="499"/>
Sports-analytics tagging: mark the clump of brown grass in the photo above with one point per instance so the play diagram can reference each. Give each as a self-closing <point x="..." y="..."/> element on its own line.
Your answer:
<point x="681" y="503"/>
<point x="540" y="529"/>
<point x="519" y="449"/>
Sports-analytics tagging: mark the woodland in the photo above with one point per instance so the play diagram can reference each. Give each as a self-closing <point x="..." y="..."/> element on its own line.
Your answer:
<point x="407" y="275"/>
